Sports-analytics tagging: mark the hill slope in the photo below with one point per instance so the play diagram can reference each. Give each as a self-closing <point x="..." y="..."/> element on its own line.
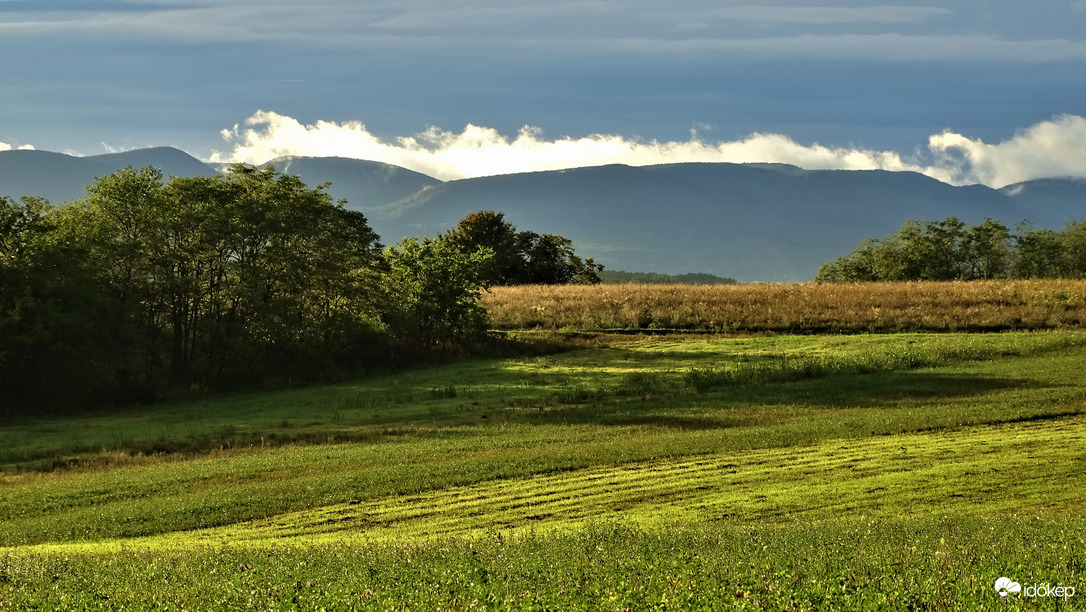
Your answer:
<point x="752" y="222"/>
<point x="61" y="178"/>
<point x="1057" y="199"/>
<point x="364" y="184"/>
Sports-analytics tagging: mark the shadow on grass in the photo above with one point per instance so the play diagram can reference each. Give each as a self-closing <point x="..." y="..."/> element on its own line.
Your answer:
<point x="621" y="415"/>
<point x="651" y="400"/>
<point x="881" y="390"/>
<point x="886" y="389"/>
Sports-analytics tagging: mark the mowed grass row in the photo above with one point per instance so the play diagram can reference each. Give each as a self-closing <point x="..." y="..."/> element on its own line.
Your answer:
<point x="1028" y="469"/>
<point x="534" y="433"/>
<point x="806" y="308"/>
<point x="435" y="401"/>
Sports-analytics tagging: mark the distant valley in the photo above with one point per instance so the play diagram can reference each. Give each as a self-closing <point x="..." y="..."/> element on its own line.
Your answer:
<point x="751" y="222"/>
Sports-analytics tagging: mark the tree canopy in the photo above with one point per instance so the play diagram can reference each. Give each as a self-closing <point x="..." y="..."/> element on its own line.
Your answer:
<point x="190" y="282"/>
<point x="949" y="250"/>
<point x="435" y="288"/>
<point x="521" y="258"/>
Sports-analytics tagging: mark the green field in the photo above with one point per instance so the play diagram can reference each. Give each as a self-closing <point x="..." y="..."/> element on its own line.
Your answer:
<point x="893" y="471"/>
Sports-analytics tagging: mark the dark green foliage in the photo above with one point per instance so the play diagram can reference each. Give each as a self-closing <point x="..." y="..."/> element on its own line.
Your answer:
<point x="988" y="251"/>
<point x="1074" y="247"/>
<point x="521" y="258"/>
<point x="228" y="279"/>
<point x="1040" y="253"/>
<point x="614" y="277"/>
<point x="53" y="318"/>
<point x="551" y="261"/>
<point x="148" y="286"/>
<point x="490" y="230"/>
<point x="435" y="290"/>
<point x="948" y="250"/>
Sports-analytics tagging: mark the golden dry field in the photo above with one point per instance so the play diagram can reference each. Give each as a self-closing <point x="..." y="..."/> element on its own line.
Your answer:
<point x="949" y="306"/>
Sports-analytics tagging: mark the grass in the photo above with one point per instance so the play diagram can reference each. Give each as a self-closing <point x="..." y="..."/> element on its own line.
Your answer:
<point x="858" y="307"/>
<point x="945" y="473"/>
<point x="438" y="400"/>
<point x="896" y="471"/>
<point x="930" y="563"/>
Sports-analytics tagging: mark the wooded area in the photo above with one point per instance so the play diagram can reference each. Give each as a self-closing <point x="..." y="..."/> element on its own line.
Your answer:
<point x="148" y="285"/>
<point x="949" y="250"/>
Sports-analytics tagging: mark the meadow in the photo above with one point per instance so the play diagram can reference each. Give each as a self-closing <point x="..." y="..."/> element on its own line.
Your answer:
<point x="808" y="308"/>
<point x="751" y="471"/>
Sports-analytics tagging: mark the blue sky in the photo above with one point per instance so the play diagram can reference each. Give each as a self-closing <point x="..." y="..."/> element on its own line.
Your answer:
<point x="967" y="91"/>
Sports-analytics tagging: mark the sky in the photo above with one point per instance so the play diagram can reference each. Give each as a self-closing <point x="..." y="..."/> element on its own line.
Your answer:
<point x="966" y="91"/>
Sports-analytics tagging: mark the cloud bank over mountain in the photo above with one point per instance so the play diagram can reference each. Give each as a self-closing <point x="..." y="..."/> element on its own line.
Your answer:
<point x="1056" y="147"/>
<point x="7" y="147"/>
<point x="1047" y="149"/>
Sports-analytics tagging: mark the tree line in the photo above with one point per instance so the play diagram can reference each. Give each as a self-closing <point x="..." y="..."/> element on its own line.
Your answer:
<point x="147" y="286"/>
<point x="522" y="258"/>
<point x="622" y="277"/>
<point x="951" y="250"/>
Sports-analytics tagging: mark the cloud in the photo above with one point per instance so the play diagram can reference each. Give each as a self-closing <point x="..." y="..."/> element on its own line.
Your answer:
<point x="824" y="15"/>
<point x="482" y="151"/>
<point x="471" y="16"/>
<point x="7" y="147"/>
<point x="547" y="29"/>
<point x="1050" y="148"/>
<point x="885" y="47"/>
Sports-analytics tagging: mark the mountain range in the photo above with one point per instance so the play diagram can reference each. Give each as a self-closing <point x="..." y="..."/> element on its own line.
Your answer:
<point x="752" y="222"/>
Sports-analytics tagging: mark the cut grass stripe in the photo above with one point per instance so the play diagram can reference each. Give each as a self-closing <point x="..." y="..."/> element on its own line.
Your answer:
<point x="1027" y="469"/>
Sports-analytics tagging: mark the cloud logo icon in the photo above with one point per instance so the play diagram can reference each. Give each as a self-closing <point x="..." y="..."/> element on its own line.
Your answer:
<point x="1005" y="585"/>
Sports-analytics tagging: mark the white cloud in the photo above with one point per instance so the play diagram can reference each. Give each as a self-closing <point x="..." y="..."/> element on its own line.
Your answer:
<point x="7" y="147"/>
<point x="482" y="151"/>
<point x="1050" y="148"/>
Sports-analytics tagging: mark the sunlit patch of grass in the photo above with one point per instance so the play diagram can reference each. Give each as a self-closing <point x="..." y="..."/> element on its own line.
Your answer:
<point x="886" y="356"/>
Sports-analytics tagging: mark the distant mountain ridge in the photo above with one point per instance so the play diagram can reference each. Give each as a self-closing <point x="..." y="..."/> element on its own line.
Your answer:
<point x="364" y="184"/>
<point x="1051" y="198"/>
<point x="769" y="222"/>
<point x="58" y="177"/>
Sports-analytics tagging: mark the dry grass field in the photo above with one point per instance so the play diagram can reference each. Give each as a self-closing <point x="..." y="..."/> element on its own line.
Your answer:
<point x="797" y="308"/>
